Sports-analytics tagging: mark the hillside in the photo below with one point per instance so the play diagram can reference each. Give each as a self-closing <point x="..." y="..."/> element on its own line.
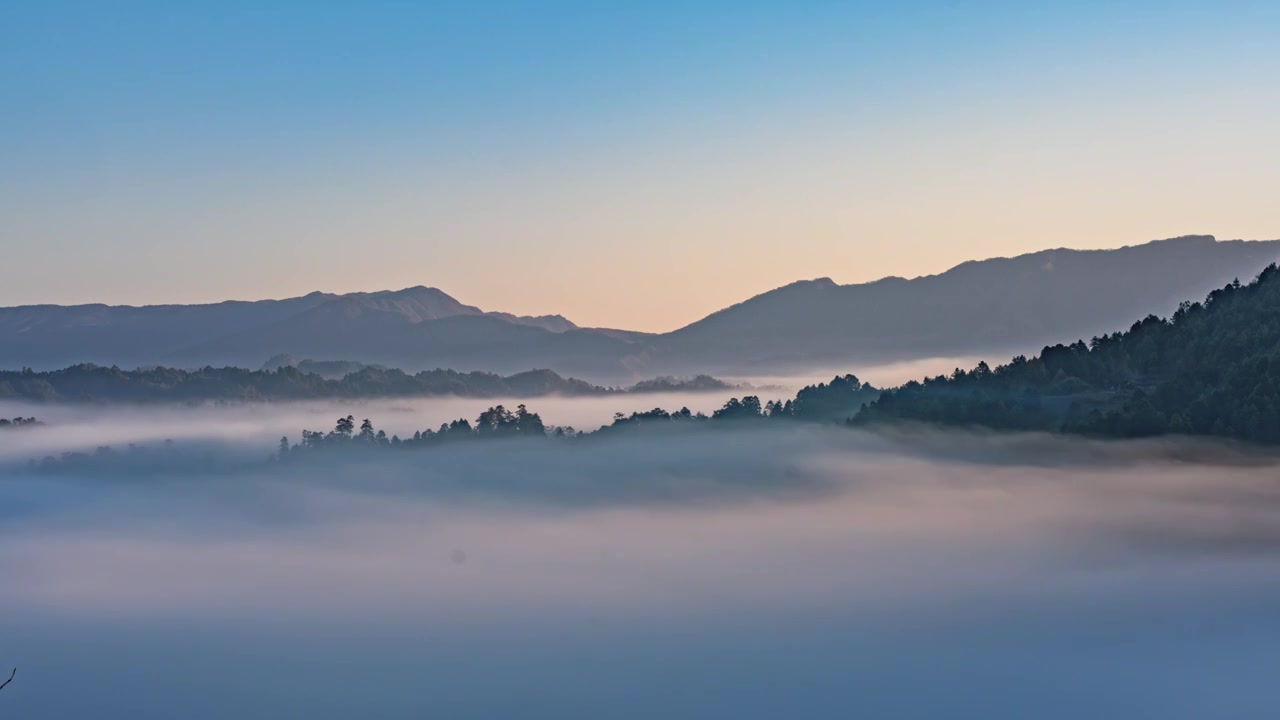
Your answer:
<point x="1211" y="368"/>
<point x="998" y="305"/>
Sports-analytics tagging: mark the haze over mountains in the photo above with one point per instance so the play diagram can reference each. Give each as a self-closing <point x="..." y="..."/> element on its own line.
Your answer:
<point x="999" y="305"/>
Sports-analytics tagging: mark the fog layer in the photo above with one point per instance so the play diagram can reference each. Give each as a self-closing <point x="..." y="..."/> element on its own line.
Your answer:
<point x="261" y="425"/>
<point x="803" y="572"/>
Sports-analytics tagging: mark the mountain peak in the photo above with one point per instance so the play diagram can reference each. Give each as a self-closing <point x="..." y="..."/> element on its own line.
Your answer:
<point x="1188" y="240"/>
<point x="417" y="291"/>
<point x="815" y="283"/>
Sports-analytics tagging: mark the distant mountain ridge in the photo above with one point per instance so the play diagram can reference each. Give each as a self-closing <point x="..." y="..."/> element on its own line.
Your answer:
<point x="998" y="305"/>
<point x="978" y="306"/>
<point x="87" y="383"/>
<point x="417" y="328"/>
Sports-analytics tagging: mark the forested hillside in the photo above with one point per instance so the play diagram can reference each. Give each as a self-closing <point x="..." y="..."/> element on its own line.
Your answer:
<point x="1212" y="368"/>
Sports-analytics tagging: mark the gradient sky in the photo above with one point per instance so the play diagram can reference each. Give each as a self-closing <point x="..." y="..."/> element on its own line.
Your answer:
<point x="634" y="166"/>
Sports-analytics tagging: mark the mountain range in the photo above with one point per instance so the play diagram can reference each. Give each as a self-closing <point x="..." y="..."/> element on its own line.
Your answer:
<point x="1001" y="305"/>
<point x="987" y="306"/>
<point x="415" y="328"/>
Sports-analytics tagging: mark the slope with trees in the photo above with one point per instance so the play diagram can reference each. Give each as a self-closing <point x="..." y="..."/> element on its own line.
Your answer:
<point x="1211" y="368"/>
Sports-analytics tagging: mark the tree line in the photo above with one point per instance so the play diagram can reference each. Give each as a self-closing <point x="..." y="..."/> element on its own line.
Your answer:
<point x="1212" y="368"/>
<point x="823" y="402"/>
<point x="94" y="383"/>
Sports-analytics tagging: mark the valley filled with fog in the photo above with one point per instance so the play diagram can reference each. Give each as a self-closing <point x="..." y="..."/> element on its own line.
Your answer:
<point x="639" y="361"/>
<point x="259" y="425"/>
<point x="714" y="572"/>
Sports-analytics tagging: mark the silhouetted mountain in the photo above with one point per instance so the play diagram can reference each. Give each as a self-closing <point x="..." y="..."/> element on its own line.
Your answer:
<point x="43" y="336"/>
<point x="414" y="328"/>
<point x="554" y="323"/>
<point x="998" y="305"/>
<point x="1003" y="304"/>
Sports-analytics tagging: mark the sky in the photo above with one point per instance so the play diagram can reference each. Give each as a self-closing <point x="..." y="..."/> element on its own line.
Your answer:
<point x="632" y="165"/>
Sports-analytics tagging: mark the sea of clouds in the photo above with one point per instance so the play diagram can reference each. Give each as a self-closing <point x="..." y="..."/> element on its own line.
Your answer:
<point x="798" y="571"/>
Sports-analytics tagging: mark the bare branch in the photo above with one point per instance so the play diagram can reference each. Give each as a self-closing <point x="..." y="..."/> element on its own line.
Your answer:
<point x="6" y="682"/>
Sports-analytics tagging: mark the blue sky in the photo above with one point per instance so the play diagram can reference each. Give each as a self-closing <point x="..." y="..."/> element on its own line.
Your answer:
<point x="563" y="157"/>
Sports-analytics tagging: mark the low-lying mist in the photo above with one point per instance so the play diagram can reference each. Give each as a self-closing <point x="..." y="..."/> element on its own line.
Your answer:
<point x="70" y="427"/>
<point x="805" y="571"/>
<point x="881" y="375"/>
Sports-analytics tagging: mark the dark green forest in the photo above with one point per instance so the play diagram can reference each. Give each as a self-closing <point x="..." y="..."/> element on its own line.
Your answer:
<point x="94" y="383"/>
<point x="1210" y="369"/>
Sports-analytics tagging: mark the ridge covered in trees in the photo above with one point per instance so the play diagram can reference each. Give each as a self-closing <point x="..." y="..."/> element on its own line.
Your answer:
<point x="93" y="383"/>
<point x="1212" y="368"/>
